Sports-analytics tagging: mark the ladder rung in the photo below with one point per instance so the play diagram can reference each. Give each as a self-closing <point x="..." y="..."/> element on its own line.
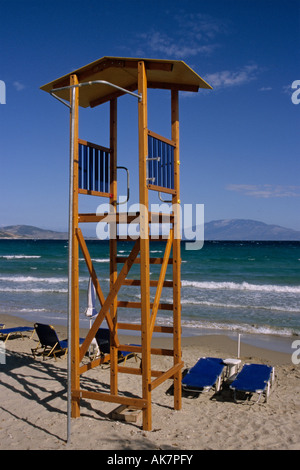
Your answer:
<point x="137" y="282"/>
<point x="161" y="306"/>
<point x="125" y="217"/>
<point x="122" y="259"/>
<point x="152" y="238"/>
<point x="138" y="327"/>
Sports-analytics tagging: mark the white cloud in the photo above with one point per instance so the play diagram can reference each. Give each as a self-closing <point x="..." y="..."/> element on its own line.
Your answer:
<point x="192" y="34"/>
<point x="161" y="43"/>
<point x="265" y="190"/>
<point x="266" y="88"/>
<point x="228" y="78"/>
<point x="18" y="86"/>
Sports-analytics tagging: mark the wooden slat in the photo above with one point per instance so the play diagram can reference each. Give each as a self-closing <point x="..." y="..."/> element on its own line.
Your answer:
<point x="153" y="283"/>
<point x="124" y="217"/>
<point x="138" y="305"/>
<point x="118" y="218"/>
<point x="163" y="139"/>
<point x="161" y="189"/>
<point x="137" y="327"/>
<point x="154" y="351"/>
<point x="89" y="192"/>
<point x="94" y="363"/>
<point x="95" y="146"/>
<point x="166" y="375"/>
<point x="122" y="259"/>
<point x="137" y="402"/>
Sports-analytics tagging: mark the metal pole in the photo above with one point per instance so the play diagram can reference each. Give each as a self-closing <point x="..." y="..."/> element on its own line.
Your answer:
<point x="71" y="184"/>
<point x="239" y="345"/>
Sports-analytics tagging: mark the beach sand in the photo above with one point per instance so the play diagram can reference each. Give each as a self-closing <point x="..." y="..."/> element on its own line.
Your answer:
<point x="33" y="402"/>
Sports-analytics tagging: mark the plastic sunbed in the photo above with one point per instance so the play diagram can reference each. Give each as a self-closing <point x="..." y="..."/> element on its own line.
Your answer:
<point x="254" y="378"/>
<point x="6" y="332"/>
<point x="204" y="375"/>
<point x="103" y="340"/>
<point x="49" y="342"/>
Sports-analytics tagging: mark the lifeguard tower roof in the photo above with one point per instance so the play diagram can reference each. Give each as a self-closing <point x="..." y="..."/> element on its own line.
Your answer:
<point x="123" y="72"/>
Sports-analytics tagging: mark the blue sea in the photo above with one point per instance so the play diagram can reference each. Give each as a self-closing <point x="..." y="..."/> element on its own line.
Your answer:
<point x="233" y="287"/>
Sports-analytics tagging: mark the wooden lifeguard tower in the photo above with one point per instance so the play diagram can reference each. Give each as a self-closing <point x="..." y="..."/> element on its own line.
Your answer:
<point x="93" y="171"/>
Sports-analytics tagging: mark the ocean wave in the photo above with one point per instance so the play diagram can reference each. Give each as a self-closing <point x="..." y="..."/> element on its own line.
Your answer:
<point x="46" y="280"/>
<point x="239" y="306"/>
<point x="245" y="286"/>
<point x="33" y="310"/>
<point x="33" y="290"/>
<point x="19" y="256"/>
<point x="97" y="260"/>
<point x="233" y="327"/>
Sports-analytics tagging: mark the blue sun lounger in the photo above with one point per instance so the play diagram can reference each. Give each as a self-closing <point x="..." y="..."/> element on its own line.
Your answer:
<point x="49" y="342"/>
<point x="6" y="332"/>
<point x="103" y="340"/>
<point x="254" y="378"/>
<point x="204" y="375"/>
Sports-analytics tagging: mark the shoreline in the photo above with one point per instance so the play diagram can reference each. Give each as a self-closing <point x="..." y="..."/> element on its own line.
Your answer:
<point x="273" y="348"/>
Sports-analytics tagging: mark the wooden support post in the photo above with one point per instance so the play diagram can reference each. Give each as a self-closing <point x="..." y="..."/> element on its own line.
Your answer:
<point x="144" y="253"/>
<point x="75" y="374"/>
<point x="113" y="244"/>
<point x="176" y="252"/>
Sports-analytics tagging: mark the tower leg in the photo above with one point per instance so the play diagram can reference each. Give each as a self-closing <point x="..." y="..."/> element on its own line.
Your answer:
<point x="144" y="246"/>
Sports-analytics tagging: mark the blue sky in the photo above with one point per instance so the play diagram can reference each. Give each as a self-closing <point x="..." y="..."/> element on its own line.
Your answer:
<point x="239" y="142"/>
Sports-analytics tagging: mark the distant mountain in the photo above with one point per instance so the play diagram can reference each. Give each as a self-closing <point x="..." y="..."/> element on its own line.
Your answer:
<point x="245" y="229"/>
<point x="226" y="229"/>
<point x="28" y="231"/>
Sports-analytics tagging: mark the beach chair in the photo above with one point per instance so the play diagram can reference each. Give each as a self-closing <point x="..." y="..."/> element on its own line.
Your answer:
<point x="49" y="344"/>
<point x="254" y="378"/>
<point x="103" y="340"/>
<point x="204" y="375"/>
<point x="6" y="332"/>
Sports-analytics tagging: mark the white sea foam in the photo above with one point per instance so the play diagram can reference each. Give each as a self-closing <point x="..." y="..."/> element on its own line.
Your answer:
<point x="20" y="256"/>
<point x="239" y="306"/>
<point x="34" y="290"/>
<point x="232" y="327"/>
<point x="24" y="279"/>
<point x="245" y="286"/>
<point x="97" y="260"/>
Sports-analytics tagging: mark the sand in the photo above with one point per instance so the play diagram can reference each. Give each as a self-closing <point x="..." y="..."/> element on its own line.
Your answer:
<point x="33" y="404"/>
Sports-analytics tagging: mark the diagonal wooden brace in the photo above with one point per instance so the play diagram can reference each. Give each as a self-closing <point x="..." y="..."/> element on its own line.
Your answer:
<point x="92" y="273"/>
<point x="161" y="281"/>
<point x="108" y="301"/>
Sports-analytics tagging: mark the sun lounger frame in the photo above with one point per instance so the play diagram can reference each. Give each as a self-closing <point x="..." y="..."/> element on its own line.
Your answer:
<point x="197" y="369"/>
<point x="249" y="390"/>
<point x="47" y="350"/>
<point x="6" y="332"/>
